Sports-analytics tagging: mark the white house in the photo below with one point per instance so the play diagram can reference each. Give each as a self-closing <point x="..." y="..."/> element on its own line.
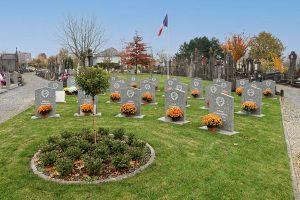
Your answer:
<point x="110" y="55"/>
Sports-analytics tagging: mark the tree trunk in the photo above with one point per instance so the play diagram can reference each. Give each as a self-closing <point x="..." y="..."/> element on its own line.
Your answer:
<point x="94" y="121"/>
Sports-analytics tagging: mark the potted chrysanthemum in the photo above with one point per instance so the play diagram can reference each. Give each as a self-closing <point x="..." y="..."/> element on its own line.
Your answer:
<point x="212" y="121"/>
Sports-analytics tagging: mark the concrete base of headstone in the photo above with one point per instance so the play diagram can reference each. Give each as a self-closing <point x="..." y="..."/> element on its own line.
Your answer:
<point x="153" y="104"/>
<point x="188" y="97"/>
<point x="112" y="102"/>
<point x="13" y="86"/>
<point x="204" y="108"/>
<point x="54" y="116"/>
<point x="135" y="117"/>
<point x="103" y="94"/>
<point x="244" y="113"/>
<point x="60" y="97"/>
<point x="221" y="131"/>
<point x="187" y="106"/>
<point x="82" y="115"/>
<point x="3" y="90"/>
<point x="163" y="95"/>
<point x="165" y="119"/>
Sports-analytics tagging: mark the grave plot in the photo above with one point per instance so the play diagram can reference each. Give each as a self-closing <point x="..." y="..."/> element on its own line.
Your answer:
<point x="196" y="88"/>
<point x="209" y="91"/>
<point x="60" y="95"/>
<point x="148" y="92"/>
<point x="85" y="106"/>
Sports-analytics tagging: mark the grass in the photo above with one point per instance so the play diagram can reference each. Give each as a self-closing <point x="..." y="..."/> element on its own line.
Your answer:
<point x="190" y="164"/>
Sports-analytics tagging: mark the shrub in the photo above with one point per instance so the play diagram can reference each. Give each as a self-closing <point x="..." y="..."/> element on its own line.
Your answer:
<point x="73" y="152"/>
<point x="137" y="153"/>
<point x="48" y="158"/>
<point x="87" y="135"/>
<point x="118" y="147"/>
<point x="49" y="147"/>
<point x="66" y="134"/>
<point x="83" y="145"/>
<point x="103" y="131"/>
<point x="119" y="133"/>
<point x="93" y="166"/>
<point x="138" y="143"/>
<point x="101" y="151"/>
<point x="131" y="138"/>
<point x="120" y="162"/>
<point x="64" y="166"/>
<point x="54" y="139"/>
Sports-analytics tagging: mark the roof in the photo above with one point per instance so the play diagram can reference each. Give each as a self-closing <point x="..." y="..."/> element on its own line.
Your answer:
<point x="108" y="52"/>
<point x="7" y="56"/>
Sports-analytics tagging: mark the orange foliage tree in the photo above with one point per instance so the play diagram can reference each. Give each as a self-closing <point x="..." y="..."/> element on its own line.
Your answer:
<point x="237" y="45"/>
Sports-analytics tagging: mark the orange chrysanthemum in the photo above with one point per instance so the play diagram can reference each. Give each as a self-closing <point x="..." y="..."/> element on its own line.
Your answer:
<point x="87" y="108"/>
<point x="212" y="120"/>
<point x="249" y="106"/>
<point x="128" y="109"/>
<point x="239" y="91"/>
<point x="115" y="97"/>
<point x="147" y="97"/>
<point x="45" y="109"/>
<point x="267" y="92"/>
<point x="195" y="93"/>
<point x="175" y="113"/>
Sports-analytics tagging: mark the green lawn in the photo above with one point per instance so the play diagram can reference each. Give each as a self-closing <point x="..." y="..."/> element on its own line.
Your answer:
<point x="190" y="164"/>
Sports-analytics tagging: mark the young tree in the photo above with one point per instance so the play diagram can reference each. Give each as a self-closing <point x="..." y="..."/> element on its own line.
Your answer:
<point x="135" y="53"/>
<point x="92" y="81"/>
<point x="79" y="35"/>
<point x="266" y="46"/>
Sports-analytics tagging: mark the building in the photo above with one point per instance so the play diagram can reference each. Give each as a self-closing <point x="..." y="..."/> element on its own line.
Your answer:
<point x="24" y="57"/>
<point x="8" y="62"/>
<point x="110" y="55"/>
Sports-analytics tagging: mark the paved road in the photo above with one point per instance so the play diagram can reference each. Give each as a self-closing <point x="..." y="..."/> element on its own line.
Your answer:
<point x="17" y="100"/>
<point x="291" y="93"/>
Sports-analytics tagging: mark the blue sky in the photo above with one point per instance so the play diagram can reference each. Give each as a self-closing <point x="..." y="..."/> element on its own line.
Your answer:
<point x="32" y="25"/>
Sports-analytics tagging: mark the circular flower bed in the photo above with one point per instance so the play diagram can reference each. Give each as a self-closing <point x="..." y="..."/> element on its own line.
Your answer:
<point x="267" y="92"/>
<point x="175" y="113"/>
<point x="147" y="97"/>
<point x="72" y="157"/>
<point x="87" y="108"/>
<point x="44" y="110"/>
<point x="195" y="93"/>
<point x="239" y="91"/>
<point x="249" y="106"/>
<point x="71" y="91"/>
<point x="115" y="97"/>
<point x="128" y="109"/>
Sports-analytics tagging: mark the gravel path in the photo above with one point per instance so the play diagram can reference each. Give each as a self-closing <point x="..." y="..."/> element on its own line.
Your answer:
<point x="290" y="106"/>
<point x="17" y="100"/>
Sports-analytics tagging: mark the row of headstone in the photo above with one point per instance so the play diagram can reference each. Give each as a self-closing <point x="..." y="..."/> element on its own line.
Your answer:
<point x="264" y="85"/>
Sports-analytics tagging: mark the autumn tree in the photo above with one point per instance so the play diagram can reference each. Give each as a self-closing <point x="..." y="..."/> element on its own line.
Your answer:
<point x="135" y="53"/>
<point x="82" y="35"/>
<point x="265" y="46"/>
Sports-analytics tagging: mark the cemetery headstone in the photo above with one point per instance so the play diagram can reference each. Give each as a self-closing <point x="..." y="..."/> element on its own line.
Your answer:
<point x="223" y="105"/>
<point x="170" y="84"/>
<point x="252" y="94"/>
<point x="256" y="84"/>
<point x="196" y="88"/>
<point x="131" y="96"/>
<point x="7" y="81"/>
<point x="45" y="97"/>
<point x="86" y="99"/>
<point x="134" y="81"/>
<point x="59" y="91"/>
<point x="154" y="81"/>
<point x="242" y="83"/>
<point x="148" y="92"/>
<point x="183" y="88"/>
<point x="218" y="80"/>
<point x="269" y="85"/>
<point x="71" y="82"/>
<point x="209" y="91"/>
<point x="175" y="99"/>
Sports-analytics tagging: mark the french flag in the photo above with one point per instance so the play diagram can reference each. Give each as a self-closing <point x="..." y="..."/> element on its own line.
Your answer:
<point x="165" y="24"/>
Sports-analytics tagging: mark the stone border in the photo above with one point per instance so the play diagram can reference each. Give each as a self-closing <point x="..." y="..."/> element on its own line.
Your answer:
<point x="294" y="174"/>
<point x="117" y="178"/>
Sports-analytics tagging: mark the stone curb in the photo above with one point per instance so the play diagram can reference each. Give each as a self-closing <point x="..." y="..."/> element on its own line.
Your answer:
<point x="294" y="174"/>
<point x="118" y="178"/>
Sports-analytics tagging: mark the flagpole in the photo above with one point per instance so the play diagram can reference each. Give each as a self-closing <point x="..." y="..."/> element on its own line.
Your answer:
<point x="167" y="47"/>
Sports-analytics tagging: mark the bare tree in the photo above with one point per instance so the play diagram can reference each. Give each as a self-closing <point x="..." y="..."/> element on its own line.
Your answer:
<point x="79" y="35"/>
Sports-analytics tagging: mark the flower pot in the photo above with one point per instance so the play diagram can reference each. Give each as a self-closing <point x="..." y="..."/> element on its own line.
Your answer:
<point x="86" y="113"/>
<point x="44" y="116"/>
<point x="213" y="129"/>
<point x="175" y="119"/>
